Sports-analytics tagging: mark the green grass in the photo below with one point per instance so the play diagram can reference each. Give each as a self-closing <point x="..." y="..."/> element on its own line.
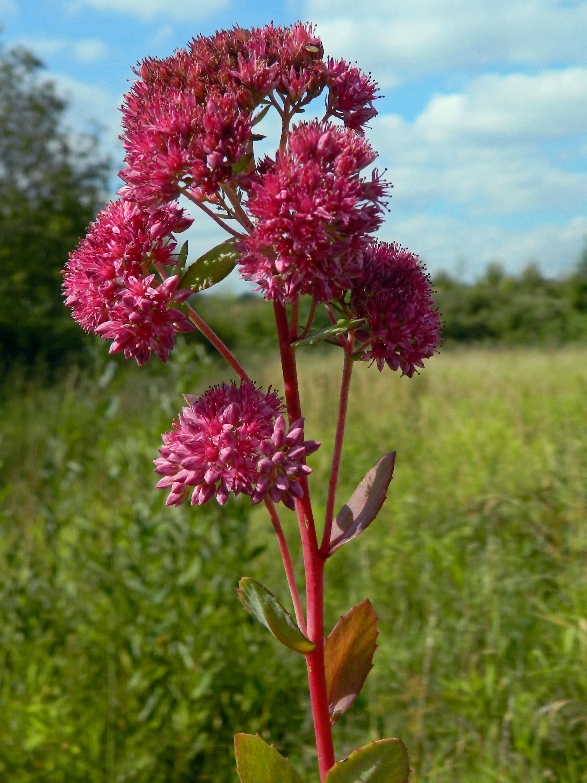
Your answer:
<point x="125" y="656"/>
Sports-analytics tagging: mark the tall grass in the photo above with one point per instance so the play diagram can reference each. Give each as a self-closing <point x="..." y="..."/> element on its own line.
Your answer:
<point x="124" y="653"/>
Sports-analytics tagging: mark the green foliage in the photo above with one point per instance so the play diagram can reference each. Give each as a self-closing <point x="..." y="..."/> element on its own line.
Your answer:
<point x="124" y="652"/>
<point x="265" y="608"/>
<point x="504" y="309"/>
<point x="51" y="186"/>
<point x="258" y="762"/>
<point x="383" y="761"/>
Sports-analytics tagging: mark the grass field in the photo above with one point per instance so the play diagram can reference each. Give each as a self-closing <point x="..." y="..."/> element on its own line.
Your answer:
<point x="125" y="656"/>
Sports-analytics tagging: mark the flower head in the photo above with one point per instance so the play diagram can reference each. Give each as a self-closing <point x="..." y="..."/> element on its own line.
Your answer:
<point x="188" y="118"/>
<point x="233" y="439"/>
<point x="394" y="295"/>
<point x="313" y="214"/>
<point x="351" y="94"/>
<point x="107" y="285"/>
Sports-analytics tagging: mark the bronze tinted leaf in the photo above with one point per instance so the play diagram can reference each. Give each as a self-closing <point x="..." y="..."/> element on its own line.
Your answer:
<point x="364" y="504"/>
<point x="348" y="657"/>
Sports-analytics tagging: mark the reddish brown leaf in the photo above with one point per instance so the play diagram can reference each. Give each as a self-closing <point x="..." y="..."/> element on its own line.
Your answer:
<point x="364" y="504"/>
<point x="348" y="657"/>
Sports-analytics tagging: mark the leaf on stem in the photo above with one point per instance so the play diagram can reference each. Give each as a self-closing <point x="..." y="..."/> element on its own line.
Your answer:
<point x="241" y="165"/>
<point x="340" y="327"/>
<point x="382" y="761"/>
<point x="258" y="762"/>
<point x="210" y="268"/>
<point x="265" y="607"/>
<point x="364" y="504"/>
<point x="183" y="255"/>
<point x="348" y="657"/>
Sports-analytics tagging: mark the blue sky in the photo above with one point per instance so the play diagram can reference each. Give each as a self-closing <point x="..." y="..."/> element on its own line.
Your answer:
<point x="483" y="128"/>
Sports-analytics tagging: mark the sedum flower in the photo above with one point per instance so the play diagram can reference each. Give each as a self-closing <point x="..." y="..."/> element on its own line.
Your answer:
<point x="313" y="215"/>
<point x="394" y="295"/>
<point x="351" y="94"/>
<point x="109" y="290"/>
<point x="233" y="439"/>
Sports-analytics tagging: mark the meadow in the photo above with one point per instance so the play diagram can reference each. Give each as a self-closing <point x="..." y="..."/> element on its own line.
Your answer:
<point x="124" y="652"/>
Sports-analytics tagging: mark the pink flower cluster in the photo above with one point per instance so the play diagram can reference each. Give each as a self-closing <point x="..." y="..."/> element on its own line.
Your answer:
<point x="234" y="439"/>
<point x="108" y="286"/>
<point x="188" y="119"/>
<point x="393" y="294"/>
<point x="313" y="213"/>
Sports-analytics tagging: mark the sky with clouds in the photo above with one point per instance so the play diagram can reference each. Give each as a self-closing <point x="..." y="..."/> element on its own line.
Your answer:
<point x="483" y="127"/>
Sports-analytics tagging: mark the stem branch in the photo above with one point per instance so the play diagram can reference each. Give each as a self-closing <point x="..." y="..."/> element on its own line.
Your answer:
<point x="288" y="565"/>
<point x="337" y="452"/>
<point x="213" y="338"/>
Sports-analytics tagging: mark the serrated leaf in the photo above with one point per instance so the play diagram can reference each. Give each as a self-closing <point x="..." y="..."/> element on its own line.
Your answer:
<point x="348" y="657"/>
<point x="240" y="165"/>
<point x="210" y="268"/>
<point x="382" y="761"/>
<point x="183" y="255"/>
<point x="265" y="607"/>
<point x="258" y="762"/>
<point x="364" y="504"/>
<point x="340" y="327"/>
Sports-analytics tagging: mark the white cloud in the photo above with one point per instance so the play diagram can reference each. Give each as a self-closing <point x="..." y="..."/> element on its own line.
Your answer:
<point x="517" y="106"/>
<point x="177" y="10"/>
<point x="402" y="40"/>
<point x="484" y="150"/>
<point x="85" y="50"/>
<point x="490" y="172"/>
<point x="8" y="7"/>
<point x="89" y="50"/>
<point x="448" y="243"/>
<point x="90" y="105"/>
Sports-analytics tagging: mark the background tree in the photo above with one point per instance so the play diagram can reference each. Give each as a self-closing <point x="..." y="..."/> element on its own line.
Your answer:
<point x="52" y="183"/>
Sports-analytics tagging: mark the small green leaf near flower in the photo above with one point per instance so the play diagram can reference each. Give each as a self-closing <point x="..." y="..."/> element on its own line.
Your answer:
<point x="210" y="268"/>
<point x="265" y="607"/>
<point x="183" y="255"/>
<point x="340" y="327"/>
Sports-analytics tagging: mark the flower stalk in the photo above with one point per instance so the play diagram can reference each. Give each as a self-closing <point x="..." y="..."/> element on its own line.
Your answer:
<point x="308" y="217"/>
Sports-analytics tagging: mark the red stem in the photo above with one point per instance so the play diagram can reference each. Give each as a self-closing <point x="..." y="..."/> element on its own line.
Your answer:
<point x="338" y="441"/>
<point x="313" y="563"/>
<point x="288" y="565"/>
<point x="213" y="338"/>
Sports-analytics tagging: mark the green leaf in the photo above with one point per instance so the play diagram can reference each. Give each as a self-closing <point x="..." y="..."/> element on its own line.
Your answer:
<point x="348" y="657"/>
<point x="258" y="762"/>
<point x="240" y="165"/>
<point x="257" y="119"/>
<point x="265" y="607"/>
<point x="364" y="504"/>
<point x="382" y="761"/>
<point x="183" y="255"/>
<point x="341" y="326"/>
<point x="210" y="268"/>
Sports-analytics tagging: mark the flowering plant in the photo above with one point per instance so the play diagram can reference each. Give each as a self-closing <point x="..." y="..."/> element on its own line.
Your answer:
<point x="300" y="224"/>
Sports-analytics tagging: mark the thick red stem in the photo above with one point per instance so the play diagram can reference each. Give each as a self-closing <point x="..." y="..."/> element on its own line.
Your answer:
<point x="313" y="563"/>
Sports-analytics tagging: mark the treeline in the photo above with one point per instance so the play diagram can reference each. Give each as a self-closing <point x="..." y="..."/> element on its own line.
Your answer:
<point x="527" y="309"/>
